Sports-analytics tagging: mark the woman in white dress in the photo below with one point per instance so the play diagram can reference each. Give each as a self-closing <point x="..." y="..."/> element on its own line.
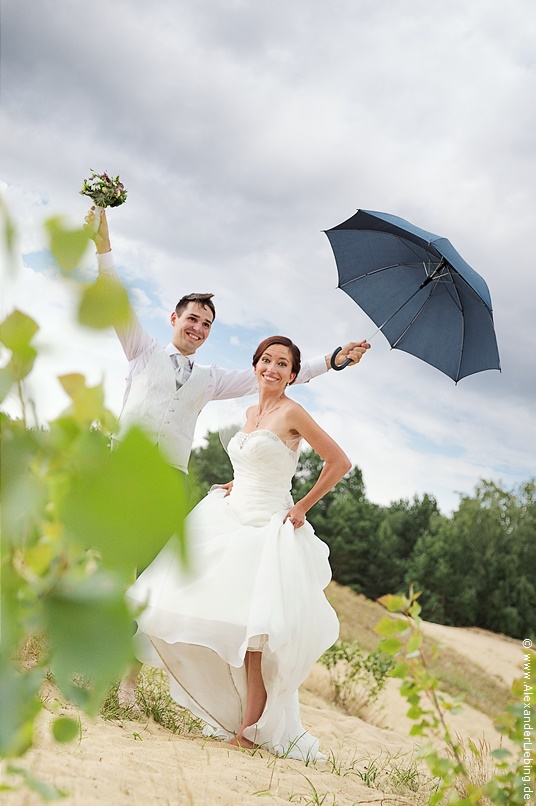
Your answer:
<point x="239" y="631"/>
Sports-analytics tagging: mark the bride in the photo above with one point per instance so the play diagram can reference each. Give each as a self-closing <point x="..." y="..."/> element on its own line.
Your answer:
<point x="240" y="628"/>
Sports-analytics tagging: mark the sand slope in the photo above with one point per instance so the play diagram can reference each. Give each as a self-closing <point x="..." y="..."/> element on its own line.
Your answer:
<point x="142" y="763"/>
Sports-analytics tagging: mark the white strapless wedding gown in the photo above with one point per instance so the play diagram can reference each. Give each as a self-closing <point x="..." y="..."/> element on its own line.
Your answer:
<point x="251" y="575"/>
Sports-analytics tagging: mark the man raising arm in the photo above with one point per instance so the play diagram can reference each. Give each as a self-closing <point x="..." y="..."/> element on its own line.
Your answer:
<point x="166" y="389"/>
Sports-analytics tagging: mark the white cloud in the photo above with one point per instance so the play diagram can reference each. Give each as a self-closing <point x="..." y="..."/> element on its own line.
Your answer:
<point x="242" y="130"/>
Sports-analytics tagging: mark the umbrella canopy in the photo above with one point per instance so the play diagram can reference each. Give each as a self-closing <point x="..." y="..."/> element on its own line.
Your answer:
<point x="418" y="290"/>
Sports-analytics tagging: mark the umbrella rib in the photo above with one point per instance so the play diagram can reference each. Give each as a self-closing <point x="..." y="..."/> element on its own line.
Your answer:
<point x="436" y="282"/>
<point x="457" y="301"/>
<point x="455" y="296"/>
<point x="460" y="306"/>
<point x="430" y="279"/>
<point x="395" y="313"/>
<point x="413" y="247"/>
<point x="448" y="272"/>
<point x="377" y="271"/>
<point x="369" y="273"/>
<point x="410" y="323"/>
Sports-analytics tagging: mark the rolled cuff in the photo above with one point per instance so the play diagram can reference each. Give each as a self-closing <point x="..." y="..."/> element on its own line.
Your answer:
<point x="105" y="260"/>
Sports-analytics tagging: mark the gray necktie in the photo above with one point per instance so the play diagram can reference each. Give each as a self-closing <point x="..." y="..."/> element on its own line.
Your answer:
<point x="181" y="364"/>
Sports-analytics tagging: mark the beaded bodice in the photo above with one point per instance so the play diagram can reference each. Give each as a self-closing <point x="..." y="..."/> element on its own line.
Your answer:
<point x="263" y="469"/>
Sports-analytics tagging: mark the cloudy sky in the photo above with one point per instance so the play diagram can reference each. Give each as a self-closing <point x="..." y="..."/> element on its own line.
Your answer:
<point x="243" y="129"/>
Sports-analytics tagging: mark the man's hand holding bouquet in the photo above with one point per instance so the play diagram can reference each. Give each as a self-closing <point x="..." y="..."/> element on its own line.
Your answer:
<point x="105" y="302"/>
<point x="104" y="191"/>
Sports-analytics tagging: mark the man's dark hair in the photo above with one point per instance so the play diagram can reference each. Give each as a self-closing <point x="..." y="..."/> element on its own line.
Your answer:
<point x="201" y="299"/>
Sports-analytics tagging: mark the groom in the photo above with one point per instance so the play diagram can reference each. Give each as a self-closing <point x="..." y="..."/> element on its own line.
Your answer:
<point x="166" y="390"/>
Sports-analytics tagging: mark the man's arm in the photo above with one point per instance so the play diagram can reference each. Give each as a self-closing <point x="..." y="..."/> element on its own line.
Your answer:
<point x="227" y="384"/>
<point x="134" y="339"/>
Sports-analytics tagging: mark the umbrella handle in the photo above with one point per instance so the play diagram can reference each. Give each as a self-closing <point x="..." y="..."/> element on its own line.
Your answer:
<point x="333" y="357"/>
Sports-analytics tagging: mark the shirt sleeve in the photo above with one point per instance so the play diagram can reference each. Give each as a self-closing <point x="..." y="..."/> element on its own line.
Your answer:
<point x="311" y="369"/>
<point x="228" y="383"/>
<point x="134" y="339"/>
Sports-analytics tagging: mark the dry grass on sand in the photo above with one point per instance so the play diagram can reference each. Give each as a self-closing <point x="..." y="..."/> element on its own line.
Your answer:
<point x="132" y="759"/>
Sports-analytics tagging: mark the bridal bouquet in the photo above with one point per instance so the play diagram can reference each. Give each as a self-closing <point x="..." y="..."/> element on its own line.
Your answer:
<point x="104" y="191"/>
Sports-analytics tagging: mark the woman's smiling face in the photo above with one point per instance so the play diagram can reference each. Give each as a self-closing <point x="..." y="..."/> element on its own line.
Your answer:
<point x="274" y="367"/>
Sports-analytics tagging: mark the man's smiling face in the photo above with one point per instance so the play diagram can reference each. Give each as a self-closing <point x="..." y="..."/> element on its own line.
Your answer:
<point x="191" y="328"/>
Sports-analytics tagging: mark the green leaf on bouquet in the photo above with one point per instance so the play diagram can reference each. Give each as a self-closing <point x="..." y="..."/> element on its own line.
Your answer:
<point x="90" y="630"/>
<point x="104" y="304"/>
<point x="67" y="245"/>
<point x="129" y="507"/>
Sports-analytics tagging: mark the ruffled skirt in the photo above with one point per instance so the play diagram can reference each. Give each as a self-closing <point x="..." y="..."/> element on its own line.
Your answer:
<point x="250" y="584"/>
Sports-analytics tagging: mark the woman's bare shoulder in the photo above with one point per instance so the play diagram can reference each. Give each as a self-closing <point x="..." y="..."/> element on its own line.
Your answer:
<point x="296" y="412"/>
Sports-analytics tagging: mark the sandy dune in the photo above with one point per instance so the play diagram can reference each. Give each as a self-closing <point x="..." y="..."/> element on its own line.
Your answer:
<point x="496" y="654"/>
<point x="142" y="763"/>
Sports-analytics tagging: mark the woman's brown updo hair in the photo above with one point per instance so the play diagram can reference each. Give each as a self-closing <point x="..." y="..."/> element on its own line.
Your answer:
<point x="284" y="342"/>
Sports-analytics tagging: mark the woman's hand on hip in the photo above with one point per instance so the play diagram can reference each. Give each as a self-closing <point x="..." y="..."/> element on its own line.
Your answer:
<point x="296" y="515"/>
<point x="227" y="487"/>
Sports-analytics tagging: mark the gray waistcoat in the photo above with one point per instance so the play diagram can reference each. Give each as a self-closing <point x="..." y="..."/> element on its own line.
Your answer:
<point x="167" y="415"/>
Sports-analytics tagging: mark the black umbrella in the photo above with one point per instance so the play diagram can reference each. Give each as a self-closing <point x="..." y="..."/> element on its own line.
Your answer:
<point x="418" y="290"/>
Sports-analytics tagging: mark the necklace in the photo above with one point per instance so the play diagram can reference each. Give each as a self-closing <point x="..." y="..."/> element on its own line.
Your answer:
<point x="259" y="418"/>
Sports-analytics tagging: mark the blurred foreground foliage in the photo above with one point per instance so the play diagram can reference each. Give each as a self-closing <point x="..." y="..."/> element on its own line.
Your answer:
<point x="77" y="520"/>
<point x="510" y="779"/>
